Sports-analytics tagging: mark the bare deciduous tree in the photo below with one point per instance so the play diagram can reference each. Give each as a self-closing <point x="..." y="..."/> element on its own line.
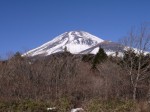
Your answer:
<point x="137" y="44"/>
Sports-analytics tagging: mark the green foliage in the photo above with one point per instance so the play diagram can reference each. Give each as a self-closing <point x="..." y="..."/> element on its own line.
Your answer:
<point x="23" y="106"/>
<point x="110" y="106"/>
<point x="99" y="57"/>
<point x="64" y="104"/>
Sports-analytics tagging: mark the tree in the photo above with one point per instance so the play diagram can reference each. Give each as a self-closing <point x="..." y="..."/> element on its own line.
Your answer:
<point x="65" y="49"/>
<point x="135" y="62"/>
<point x="17" y="55"/>
<point x="99" y="57"/>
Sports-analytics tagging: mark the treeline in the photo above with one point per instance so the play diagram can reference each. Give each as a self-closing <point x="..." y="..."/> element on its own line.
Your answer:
<point x="77" y="77"/>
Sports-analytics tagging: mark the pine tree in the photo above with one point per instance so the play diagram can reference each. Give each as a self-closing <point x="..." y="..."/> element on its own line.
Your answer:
<point x="17" y="55"/>
<point x="65" y="49"/>
<point x="99" y="57"/>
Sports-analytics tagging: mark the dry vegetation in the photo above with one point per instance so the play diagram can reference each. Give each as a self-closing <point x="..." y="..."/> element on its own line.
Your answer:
<point x="65" y="81"/>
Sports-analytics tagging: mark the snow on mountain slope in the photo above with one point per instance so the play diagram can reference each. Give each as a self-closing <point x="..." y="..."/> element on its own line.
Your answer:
<point x="74" y="41"/>
<point x="79" y="42"/>
<point x="111" y="48"/>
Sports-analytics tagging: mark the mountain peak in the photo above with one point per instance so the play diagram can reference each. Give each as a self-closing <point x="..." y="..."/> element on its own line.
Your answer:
<point x="82" y="34"/>
<point x="75" y="41"/>
<point x="77" y="35"/>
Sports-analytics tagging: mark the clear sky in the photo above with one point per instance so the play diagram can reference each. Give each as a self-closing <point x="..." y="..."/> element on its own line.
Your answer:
<point x="26" y="24"/>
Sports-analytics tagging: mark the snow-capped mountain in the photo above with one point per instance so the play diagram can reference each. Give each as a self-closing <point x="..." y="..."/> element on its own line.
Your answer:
<point x="74" y="41"/>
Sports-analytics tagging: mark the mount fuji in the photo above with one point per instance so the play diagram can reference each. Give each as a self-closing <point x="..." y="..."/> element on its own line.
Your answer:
<point x="76" y="42"/>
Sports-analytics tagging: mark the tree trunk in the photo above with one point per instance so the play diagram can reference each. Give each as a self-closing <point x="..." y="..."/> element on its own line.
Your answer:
<point x="134" y="92"/>
<point x="148" y="95"/>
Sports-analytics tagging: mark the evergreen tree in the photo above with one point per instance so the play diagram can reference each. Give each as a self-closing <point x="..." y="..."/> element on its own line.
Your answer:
<point x="65" y="49"/>
<point x="99" y="57"/>
<point x="17" y="55"/>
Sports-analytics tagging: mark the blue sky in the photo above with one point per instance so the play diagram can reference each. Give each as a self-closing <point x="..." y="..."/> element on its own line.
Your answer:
<point x="26" y="24"/>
